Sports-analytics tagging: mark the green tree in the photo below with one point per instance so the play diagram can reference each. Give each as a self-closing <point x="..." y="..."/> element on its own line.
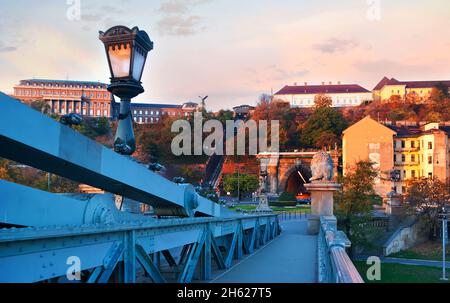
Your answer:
<point x="224" y="115"/>
<point x="94" y="127"/>
<point x="41" y="106"/>
<point x="355" y="201"/>
<point x="323" y="119"/>
<point x="245" y="182"/>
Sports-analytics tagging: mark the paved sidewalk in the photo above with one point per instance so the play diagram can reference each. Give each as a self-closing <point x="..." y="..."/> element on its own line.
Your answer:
<point x="289" y="258"/>
<point x="430" y="263"/>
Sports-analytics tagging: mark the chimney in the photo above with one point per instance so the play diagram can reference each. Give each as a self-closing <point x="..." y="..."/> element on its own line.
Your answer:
<point x="323" y="83"/>
<point x="339" y="82"/>
<point x="306" y="83"/>
<point x="295" y="83"/>
<point x="330" y="82"/>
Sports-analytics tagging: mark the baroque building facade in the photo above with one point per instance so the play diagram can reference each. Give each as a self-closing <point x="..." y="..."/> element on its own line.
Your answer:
<point x="404" y="150"/>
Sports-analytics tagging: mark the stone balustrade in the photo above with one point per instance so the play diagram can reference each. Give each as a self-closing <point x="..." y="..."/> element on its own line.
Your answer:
<point x="334" y="265"/>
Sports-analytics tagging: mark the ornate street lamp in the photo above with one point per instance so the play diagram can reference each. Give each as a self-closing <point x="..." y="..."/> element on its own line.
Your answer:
<point x="126" y="50"/>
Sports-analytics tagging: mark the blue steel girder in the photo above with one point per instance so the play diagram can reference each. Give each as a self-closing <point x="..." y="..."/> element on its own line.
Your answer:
<point x="38" y="254"/>
<point x="232" y="248"/>
<point x="148" y="265"/>
<point x="102" y="273"/>
<point x="169" y="258"/>
<point x="192" y="260"/>
<point x="217" y="254"/>
<point x="205" y="256"/>
<point x="41" y="142"/>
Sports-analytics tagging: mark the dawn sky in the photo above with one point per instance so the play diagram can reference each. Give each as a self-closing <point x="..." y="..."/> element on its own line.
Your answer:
<point x="232" y="51"/>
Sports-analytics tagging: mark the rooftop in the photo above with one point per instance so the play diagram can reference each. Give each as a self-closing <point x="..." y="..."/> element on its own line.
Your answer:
<point x="322" y="89"/>
<point x="67" y="82"/>
<point x="153" y="105"/>
<point x="411" y="84"/>
<point x="415" y="130"/>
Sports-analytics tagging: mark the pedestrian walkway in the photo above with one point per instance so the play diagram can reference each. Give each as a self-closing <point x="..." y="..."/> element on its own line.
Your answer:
<point x="289" y="258"/>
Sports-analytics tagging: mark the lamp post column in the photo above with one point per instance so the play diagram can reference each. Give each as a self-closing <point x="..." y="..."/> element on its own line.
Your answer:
<point x="125" y="135"/>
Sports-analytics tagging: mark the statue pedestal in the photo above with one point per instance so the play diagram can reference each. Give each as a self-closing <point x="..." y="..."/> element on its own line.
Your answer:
<point x="394" y="205"/>
<point x="321" y="203"/>
<point x="263" y="203"/>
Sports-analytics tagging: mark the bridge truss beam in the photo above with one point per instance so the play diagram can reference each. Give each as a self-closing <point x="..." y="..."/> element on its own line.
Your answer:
<point x="112" y="252"/>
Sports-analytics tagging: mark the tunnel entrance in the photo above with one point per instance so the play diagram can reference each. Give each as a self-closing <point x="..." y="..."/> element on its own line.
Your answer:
<point x="296" y="183"/>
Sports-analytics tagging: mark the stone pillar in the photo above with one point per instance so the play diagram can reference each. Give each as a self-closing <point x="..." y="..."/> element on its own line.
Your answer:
<point x="263" y="204"/>
<point x="394" y="205"/>
<point x="321" y="203"/>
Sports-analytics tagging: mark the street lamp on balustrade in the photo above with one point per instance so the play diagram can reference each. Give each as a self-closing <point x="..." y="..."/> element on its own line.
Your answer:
<point x="126" y="51"/>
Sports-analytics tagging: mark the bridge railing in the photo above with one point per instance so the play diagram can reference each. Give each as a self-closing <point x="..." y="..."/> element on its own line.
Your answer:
<point x="292" y="215"/>
<point x="334" y="265"/>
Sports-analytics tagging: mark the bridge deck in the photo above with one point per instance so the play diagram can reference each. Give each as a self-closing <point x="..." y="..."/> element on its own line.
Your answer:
<point x="289" y="258"/>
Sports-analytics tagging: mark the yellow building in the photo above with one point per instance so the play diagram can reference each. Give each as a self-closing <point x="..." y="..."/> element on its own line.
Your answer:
<point x="419" y="90"/>
<point x="407" y="150"/>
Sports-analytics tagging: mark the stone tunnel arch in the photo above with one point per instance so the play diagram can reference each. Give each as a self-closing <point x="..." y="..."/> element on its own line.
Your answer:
<point x="293" y="180"/>
<point x="282" y="167"/>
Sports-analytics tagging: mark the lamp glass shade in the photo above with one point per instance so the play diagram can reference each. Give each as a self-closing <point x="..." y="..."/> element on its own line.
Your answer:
<point x="138" y="64"/>
<point x="120" y="58"/>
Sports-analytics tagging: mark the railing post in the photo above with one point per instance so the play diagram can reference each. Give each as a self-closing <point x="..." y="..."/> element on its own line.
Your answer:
<point x="129" y="258"/>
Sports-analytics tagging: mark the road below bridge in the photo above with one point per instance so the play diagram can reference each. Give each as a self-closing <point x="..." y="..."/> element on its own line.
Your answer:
<point x="289" y="258"/>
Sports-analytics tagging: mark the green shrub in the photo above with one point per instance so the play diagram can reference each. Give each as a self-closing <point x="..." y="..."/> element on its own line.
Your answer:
<point x="287" y="197"/>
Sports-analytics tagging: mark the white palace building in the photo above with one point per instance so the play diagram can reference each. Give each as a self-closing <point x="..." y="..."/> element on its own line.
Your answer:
<point x="343" y="95"/>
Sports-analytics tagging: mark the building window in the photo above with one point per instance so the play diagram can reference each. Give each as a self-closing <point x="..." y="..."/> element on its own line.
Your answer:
<point x="413" y="174"/>
<point x="413" y="144"/>
<point x="135" y="112"/>
<point x="430" y="175"/>
<point x="140" y="112"/>
<point x="146" y="112"/>
<point x="413" y="158"/>
<point x="105" y="113"/>
<point x="403" y="143"/>
<point x="395" y="158"/>
<point x="98" y="112"/>
<point x="430" y="145"/>
<point x="157" y="113"/>
<point x="403" y="158"/>
<point x="430" y="159"/>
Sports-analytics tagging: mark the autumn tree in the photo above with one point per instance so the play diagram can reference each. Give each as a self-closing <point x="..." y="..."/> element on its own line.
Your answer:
<point x="326" y="140"/>
<point x="322" y="100"/>
<point x="425" y="198"/>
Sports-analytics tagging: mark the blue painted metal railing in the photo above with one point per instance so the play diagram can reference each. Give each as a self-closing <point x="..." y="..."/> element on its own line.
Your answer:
<point x="111" y="252"/>
<point x="334" y="265"/>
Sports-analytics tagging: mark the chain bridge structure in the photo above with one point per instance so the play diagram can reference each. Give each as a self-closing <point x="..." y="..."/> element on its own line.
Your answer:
<point x="189" y="238"/>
